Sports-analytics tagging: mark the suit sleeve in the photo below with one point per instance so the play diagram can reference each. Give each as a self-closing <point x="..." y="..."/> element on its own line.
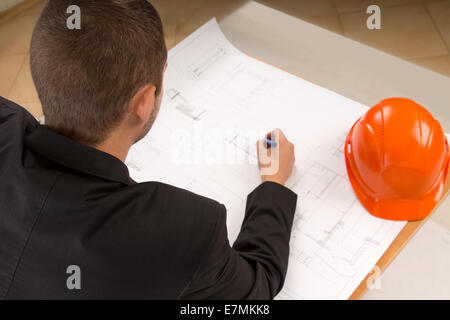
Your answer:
<point x="255" y="267"/>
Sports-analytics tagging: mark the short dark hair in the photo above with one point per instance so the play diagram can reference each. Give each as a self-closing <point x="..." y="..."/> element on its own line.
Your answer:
<point x="86" y="78"/>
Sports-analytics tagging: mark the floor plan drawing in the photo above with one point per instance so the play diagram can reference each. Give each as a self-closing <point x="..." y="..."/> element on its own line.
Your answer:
<point x="213" y="88"/>
<point x="207" y="60"/>
<point x="183" y="105"/>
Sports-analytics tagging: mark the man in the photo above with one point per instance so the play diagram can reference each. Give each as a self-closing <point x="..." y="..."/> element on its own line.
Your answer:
<point x="73" y="224"/>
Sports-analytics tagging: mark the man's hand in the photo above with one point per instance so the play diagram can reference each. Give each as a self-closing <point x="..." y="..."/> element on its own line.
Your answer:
<point x="279" y="157"/>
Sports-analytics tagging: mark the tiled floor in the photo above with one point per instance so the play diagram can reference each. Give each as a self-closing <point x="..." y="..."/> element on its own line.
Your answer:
<point x="416" y="30"/>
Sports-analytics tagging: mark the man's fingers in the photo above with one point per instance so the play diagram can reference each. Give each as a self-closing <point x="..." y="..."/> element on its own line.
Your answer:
<point x="263" y="153"/>
<point x="276" y="134"/>
<point x="282" y="137"/>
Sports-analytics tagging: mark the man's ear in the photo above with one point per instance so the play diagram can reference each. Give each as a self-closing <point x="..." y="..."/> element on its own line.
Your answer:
<point x="143" y="103"/>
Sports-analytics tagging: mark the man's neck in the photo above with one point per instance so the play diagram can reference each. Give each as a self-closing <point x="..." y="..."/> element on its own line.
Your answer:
<point x="116" y="145"/>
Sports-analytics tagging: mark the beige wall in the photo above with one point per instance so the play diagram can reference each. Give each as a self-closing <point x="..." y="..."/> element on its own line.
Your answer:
<point x="6" y="4"/>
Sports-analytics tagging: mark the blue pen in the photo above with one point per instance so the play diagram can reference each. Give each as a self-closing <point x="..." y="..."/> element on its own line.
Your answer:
<point x="269" y="143"/>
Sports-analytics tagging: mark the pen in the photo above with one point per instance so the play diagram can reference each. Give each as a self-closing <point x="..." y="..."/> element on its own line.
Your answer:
<point x="269" y="143"/>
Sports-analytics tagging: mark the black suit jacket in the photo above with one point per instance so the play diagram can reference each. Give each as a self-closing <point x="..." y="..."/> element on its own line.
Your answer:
<point x="63" y="203"/>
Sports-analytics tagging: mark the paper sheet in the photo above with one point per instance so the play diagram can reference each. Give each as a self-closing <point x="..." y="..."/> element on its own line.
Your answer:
<point x="212" y="88"/>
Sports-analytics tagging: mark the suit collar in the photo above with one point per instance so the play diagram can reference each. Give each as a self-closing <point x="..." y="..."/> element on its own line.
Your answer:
<point x="77" y="156"/>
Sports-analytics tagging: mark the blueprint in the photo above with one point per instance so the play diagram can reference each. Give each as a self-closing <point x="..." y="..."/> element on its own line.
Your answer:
<point x="217" y="102"/>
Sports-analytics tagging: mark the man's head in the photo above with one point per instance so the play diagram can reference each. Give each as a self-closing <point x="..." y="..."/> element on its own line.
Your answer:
<point x="109" y="72"/>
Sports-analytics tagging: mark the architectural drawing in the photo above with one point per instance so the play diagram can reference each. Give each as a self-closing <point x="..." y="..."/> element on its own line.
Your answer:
<point x="183" y="105"/>
<point x="207" y="60"/>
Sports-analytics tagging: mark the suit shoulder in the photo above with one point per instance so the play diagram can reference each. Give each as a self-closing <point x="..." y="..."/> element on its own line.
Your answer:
<point x="15" y="115"/>
<point x="189" y="222"/>
<point x="9" y="107"/>
<point x="188" y="196"/>
<point x="183" y="204"/>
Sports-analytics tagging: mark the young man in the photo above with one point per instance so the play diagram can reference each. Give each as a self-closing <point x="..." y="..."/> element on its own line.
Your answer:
<point x="73" y="224"/>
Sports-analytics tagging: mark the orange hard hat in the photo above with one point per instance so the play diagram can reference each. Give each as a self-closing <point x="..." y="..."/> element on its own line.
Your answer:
<point x="397" y="159"/>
